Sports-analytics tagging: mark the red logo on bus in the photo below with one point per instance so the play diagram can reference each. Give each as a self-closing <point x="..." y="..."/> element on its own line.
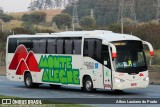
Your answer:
<point x="23" y="61"/>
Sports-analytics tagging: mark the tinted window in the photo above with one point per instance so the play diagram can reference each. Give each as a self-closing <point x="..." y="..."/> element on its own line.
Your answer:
<point x="105" y="56"/>
<point x="60" y="43"/>
<point x="39" y="46"/>
<point x="27" y="42"/>
<point x="68" y="46"/>
<point x="77" y="46"/>
<point x="93" y="48"/>
<point x="12" y="45"/>
<point x="47" y="45"/>
<point x="51" y="46"/>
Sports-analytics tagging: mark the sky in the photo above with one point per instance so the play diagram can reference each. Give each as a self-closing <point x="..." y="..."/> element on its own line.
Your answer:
<point x="14" y="5"/>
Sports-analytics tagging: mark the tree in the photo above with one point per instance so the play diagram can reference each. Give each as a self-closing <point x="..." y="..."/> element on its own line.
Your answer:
<point x="87" y="22"/>
<point x="38" y="17"/>
<point x="6" y="18"/>
<point x="26" y="18"/>
<point x="46" y="4"/>
<point x="35" y="17"/>
<point x="20" y="30"/>
<point x="49" y="4"/>
<point x="62" y="20"/>
<point x="1" y="11"/>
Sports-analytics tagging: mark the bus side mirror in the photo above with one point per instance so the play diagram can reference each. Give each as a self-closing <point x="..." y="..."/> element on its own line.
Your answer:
<point x="152" y="53"/>
<point x="114" y="55"/>
<point x="150" y="47"/>
<point x="114" y="51"/>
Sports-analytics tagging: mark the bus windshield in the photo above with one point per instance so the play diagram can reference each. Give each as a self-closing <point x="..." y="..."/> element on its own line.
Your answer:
<point x="130" y="57"/>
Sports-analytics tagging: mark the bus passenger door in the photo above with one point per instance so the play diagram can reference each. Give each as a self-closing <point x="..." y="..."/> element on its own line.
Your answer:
<point x="107" y="74"/>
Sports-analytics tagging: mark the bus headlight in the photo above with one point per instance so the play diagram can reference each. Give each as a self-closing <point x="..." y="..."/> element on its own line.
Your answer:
<point x="118" y="80"/>
<point x="146" y="79"/>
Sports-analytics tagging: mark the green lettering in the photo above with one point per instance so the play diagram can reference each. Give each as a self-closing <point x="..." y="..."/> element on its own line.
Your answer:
<point x="45" y="76"/>
<point x="51" y="78"/>
<point x="56" y="62"/>
<point x="69" y="63"/>
<point x="76" y="77"/>
<point x="62" y="76"/>
<point x="69" y="77"/>
<point x="56" y="76"/>
<point x="50" y="62"/>
<point x="63" y="61"/>
<point x="43" y="62"/>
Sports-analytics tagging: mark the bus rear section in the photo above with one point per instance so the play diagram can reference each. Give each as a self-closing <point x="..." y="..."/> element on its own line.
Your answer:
<point x="50" y="60"/>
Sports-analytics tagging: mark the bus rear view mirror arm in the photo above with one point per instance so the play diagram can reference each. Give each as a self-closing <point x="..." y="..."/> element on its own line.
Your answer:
<point x="150" y="47"/>
<point x="114" y="51"/>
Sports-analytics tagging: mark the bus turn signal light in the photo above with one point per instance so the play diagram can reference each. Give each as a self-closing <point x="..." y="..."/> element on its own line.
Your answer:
<point x="114" y="55"/>
<point x="152" y="53"/>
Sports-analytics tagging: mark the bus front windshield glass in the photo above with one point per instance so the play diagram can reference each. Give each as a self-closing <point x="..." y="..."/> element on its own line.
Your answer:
<point x="130" y="57"/>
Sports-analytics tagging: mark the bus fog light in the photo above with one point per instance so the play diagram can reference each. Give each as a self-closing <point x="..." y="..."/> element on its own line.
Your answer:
<point x="118" y="80"/>
<point x="146" y="79"/>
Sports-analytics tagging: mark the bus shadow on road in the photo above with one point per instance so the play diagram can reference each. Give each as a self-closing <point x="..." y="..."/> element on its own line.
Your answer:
<point x="76" y="90"/>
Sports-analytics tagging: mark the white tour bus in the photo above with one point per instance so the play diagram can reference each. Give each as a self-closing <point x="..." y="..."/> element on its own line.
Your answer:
<point x="86" y="59"/>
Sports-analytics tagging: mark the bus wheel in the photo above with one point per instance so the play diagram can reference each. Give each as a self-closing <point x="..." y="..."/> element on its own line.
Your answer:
<point x="88" y="85"/>
<point x="28" y="81"/>
<point x="54" y="86"/>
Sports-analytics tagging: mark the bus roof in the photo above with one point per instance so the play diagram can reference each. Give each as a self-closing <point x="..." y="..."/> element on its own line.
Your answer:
<point x="101" y="34"/>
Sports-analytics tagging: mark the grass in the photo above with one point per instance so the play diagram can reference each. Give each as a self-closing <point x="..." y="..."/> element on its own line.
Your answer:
<point x="49" y="14"/>
<point x="8" y="26"/>
<point x="43" y="105"/>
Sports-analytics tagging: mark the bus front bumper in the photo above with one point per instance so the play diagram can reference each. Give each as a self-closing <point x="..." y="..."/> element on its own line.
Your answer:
<point x="121" y="85"/>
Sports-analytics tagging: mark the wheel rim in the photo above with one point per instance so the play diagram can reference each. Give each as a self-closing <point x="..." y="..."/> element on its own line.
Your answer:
<point x="28" y="81"/>
<point x="88" y="85"/>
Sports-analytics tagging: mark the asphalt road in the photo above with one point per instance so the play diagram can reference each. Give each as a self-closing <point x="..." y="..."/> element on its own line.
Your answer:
<point x="11" y="88"/>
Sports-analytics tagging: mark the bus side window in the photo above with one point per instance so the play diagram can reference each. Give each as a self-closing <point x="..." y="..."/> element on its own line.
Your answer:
<point x="77" y="46"/>
<point x="12" y="45"/>
<point x="85" y="48"/>
<point x="93" y="48"/>
<point x="28" y="43"/>
<point x="98" y="50"/>
<point x="51" y="49"/>
<point x="60" y="46"/>
<point x="39" y="46"/>
<point x="68" y="46"/>
<point x="105" y="55"/>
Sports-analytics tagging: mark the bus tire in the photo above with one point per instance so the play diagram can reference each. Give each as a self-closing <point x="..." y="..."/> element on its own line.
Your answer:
<point x="88" y="85"/>
<point x="54" y="86"/>
<point x="28" y="81"/>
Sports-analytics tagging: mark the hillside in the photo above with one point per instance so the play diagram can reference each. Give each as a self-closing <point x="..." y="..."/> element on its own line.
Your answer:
<point x="106" y="11"/>
<point x="50" y="14"/>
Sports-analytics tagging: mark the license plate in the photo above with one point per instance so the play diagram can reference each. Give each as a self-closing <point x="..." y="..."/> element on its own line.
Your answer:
<point x="134" y="84"/>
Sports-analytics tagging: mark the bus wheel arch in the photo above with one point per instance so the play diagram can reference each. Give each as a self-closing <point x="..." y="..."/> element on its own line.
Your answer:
<point x="28" y="81"/>
<point x="87" y="84"/>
